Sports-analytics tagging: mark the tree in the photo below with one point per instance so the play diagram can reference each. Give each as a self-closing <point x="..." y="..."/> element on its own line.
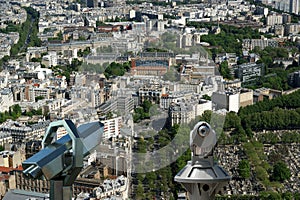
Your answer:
<point x="242" y="61"/>
<point x="297" y="196"/>
<point x="244" y="169"/>
<point x="116" y="69"/>
<point x="140" y="191"/>
<point x="206" y="97"/>
<point x="5" y="58"/>
<point x="224" y="70"/>
<point x="38" y="98"/>
<point x="146" y="106"/>
<point x="280" y="172"/>
<point x="17" y="109"/>
<point x="269" y="196"/>
<point x="287" y="196"/>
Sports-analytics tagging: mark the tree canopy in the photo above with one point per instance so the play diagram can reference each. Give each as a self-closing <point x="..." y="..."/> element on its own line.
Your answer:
<point x="280" y="172"/>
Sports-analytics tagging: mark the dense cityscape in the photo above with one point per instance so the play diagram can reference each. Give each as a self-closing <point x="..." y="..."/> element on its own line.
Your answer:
<point x="149" y="70"/>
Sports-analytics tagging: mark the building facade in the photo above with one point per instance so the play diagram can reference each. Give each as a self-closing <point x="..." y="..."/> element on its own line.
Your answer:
<point x="248" y="72"/>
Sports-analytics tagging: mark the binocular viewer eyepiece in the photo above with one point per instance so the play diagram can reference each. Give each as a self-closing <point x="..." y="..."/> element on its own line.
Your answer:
<point x="62" y="157"/>
<point x="202" y="177"/>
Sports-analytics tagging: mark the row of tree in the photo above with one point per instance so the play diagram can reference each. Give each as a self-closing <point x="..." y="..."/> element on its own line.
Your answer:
<point x="29" y="27"/>
<point x="34" y="40"/>
<point x="277" y="119"/>
<point x="290" y="101"/>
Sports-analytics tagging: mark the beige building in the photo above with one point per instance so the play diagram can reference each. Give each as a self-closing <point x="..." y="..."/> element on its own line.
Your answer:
<point x="274" y="19"/>
<point x="12" y="158"/>
<point x="232" y="99"/>
<point x="246" y="97"/>
<point x="7" y="180"/>
<point x="184" y="112"/>
<point x="181" y="113"/>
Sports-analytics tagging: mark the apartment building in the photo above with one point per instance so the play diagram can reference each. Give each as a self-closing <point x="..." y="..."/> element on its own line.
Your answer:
<point x="232" y="99"/>
<point x="112" y="127"/>
<point x="151" y="92"/>
<point x="20" y="132"/>
<point x="249" y="44"/>
<point x="248" y="72"/>
<point x="152" y="64"/>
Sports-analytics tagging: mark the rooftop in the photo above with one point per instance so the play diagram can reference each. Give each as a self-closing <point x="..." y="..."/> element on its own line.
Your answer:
<point x="24" y="195"/>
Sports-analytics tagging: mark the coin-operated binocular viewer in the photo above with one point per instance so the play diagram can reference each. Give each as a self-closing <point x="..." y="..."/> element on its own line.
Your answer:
<point x="202" y="177"/>
<point x="61" y="158"/>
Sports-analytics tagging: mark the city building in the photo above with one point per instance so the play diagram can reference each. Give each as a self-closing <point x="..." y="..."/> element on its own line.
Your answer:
<point x="12" y="159"/>
<point x="262" y="94"/>
<point x="228" y="100"/>
<point x="112" y="127"/>
<point x="246" y="97"/>
<point x="151" y="92"/>
<point x="291" y="28"/>
<point x="20" y="132"/>
<point x="184" y="111"/>
<point x="202" y="106"/>
<point x="231" y="58"/>
<point x="7" y="180"/>
<point x="274" y="19"/>
<point x="232" y="99"/>
<point x="181" y="113"/>
<point x="153" y="64"/>
<point x="173" y="97"/>
<point x="294" y="6"/>
<point x="125" y="104"/>
<point x="248" y="72"/>
<point x="6" y="99"/>
<point x="50" y="60"/>
<point x="249" y="44"/>
<point x="92" y="3"/>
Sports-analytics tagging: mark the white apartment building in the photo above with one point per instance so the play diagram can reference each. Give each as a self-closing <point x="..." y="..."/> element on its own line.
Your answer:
<point x="202" y="106"/>
<point x="50" y="59"/>
<point x="174" y="97"/>
<point x="274" y="19"/>
<point x="291" y="29"/>
<point x="181" y="113"/>
<point x="226" y="100"/>
<point x="5" y="138"/>
<point x="54" y="104"/>
<point x="6" y="99"/>
<point x="232" y="99"/>
<point x="185" y="111"/>
<point x="4" y="50"/>
<point x="39" y="92"/>
<point x="112" y="127"/>
<point x="249" y="44"/>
